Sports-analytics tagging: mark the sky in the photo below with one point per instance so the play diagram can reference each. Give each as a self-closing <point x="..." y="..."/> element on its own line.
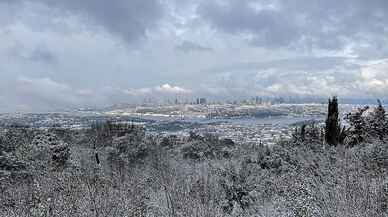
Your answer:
<point x="71" y="53"/>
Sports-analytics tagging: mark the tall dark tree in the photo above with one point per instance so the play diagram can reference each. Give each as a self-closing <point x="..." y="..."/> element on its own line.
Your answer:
<point x="303" y="132"/>
<point x="378" y="121"/>
<point x="333" y="128"/>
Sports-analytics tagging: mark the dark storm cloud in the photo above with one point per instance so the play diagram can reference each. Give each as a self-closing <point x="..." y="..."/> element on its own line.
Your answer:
<point x="237" y="17"/>
<point x="328" y="24"/>
<point x="130" y="19"/>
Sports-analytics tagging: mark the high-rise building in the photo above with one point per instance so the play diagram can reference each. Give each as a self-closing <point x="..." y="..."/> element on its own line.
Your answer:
<point x="258" y="100"/>
<point x="201" y="101"/>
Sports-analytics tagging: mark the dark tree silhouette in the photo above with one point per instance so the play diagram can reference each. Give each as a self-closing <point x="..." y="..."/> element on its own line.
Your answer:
<point x="333" y="128"/>
<point x="378" y="123"/>
<point x="303" y="132"/>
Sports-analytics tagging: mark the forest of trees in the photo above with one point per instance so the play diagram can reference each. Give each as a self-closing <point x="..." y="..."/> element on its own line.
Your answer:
<point x="338" y="168"/>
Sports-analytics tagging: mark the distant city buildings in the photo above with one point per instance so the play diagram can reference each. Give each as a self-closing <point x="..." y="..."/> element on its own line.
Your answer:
<point x="201" y="101"/>
<point x="258" y="100"/>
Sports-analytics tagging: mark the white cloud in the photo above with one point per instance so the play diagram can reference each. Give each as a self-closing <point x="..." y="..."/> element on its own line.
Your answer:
<point x="165" y="89"/>
<point x="374" y="77"/>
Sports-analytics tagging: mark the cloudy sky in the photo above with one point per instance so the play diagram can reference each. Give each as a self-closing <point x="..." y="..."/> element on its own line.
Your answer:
<point x="70" y="53"/>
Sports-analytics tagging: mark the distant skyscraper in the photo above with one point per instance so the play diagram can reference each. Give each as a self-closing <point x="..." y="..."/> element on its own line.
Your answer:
<point x="258" y="100"/>
<point x="201" y="101"/>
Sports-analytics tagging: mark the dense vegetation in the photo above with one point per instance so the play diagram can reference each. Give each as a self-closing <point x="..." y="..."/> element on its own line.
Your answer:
<point x="117" y="169"/>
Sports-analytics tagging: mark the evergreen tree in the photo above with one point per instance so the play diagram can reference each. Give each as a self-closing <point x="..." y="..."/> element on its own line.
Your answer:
<point x="378" y="121"/>
<point x="358" y="126"/>
<point x="333" y="128"/>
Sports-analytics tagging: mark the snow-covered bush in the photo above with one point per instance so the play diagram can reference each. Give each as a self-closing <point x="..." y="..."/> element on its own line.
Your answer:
<point x="207" y="146"/>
